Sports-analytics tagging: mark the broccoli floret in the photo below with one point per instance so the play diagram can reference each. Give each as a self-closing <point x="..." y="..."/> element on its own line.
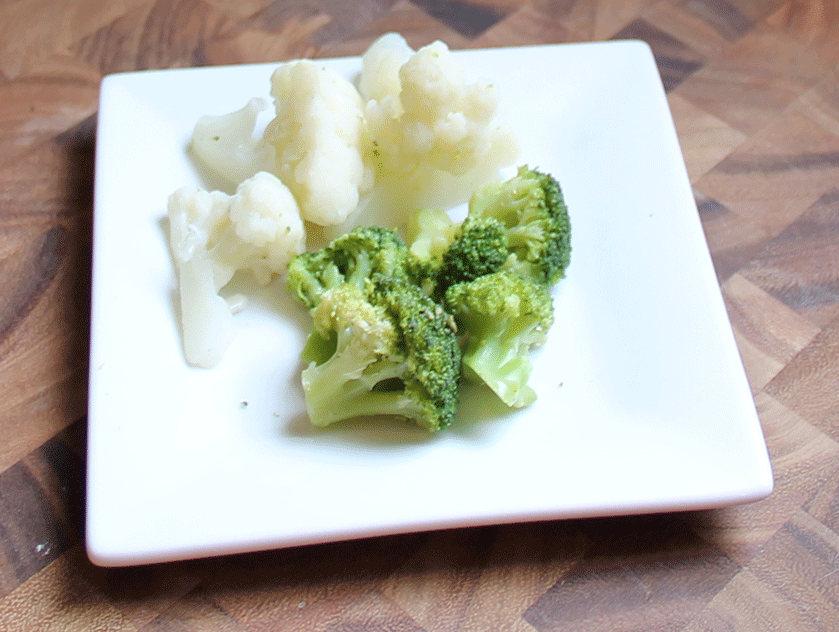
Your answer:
<point x="311" y="274"/>
<point x="444" y="253"/>
<point x="351" y="258"/>
<point x="430" y="344"/>
<point x="429" y="233"/>
<point x="395" y="327"/>
<point x="365" y="251"/>
<point x="385" y="349"/>
<point x="502" y="316"/>
<point x="532" y="208"/>
<point x="479" y="248"/>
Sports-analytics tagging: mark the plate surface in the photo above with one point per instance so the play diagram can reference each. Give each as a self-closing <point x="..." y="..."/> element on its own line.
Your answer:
<point x="643" y="404"/>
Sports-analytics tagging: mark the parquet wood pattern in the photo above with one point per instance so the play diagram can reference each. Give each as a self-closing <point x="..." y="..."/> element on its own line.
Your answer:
<point x="754" y="89"/>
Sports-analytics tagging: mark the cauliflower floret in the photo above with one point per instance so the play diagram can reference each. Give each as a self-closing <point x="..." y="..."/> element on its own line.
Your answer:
<point x="228" y="145"/>
<point x="318" y="134"/>
<point x="381" y="63"/>
<point x="420" y="110"/>
<point x="212" y="236"/>
<point x="268" y="227"/>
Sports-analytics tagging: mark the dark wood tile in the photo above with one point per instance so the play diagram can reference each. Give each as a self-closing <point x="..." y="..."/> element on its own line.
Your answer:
<point x="778" y="173"/>
<point x="705" y="140"/>
<point x="49" y="99"/>
<point x="193" y="613"/>
<point x="689" y="27"/>
<point x="824" y="504"/>
<point x="467" y="18"/>
<point x="800" y="565"/>
<point x="676" y="61"/>
<point x="445" y="571"/>
<point x="640" y="573"/>
<point x="732" y="240"/>
<point x="416" y="26"/>
<point x="814" y="23"/>
<point x="154" y="35"/>
<point x="768" y="333"/>
<point x="724" y="16"/>
<point x="347" y="19"/>
<point x="41" y="510"/>
<point x="594" y="20"/>
<point x="266" y="590"/>
<point x="33" y="31"/>
<point x="752" y="81"/>
<point x="45" y="227"/>
<point x="746" y="603"/>
<point x="525" y="26"/>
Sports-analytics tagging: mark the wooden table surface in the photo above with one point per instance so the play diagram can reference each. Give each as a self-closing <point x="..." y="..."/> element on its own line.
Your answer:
<point x="753" y="88"/>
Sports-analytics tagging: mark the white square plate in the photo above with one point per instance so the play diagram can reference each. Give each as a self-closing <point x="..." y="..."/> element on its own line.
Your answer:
<point x="643" y="404"/>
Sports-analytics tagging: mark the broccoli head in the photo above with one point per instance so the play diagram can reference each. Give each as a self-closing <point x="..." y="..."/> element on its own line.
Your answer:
<point x="396" y="326"/>
<point x="503" y="316"/>
<point x="351" y="258"/>
<point x="385" y="349"/>
<point x="532" y="208"/>
<point x="479" y="247"/>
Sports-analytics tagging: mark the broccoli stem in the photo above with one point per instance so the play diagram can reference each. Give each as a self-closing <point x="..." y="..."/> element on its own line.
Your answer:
<point x="495" y="362"/>
<point x="338" y="390"/>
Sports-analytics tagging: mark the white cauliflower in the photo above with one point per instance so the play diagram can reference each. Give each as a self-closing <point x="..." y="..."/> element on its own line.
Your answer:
<point x="318" y="136"/>
<point x="380" y="64"/>
<point x="212" y="236"/>
<point x="229" y="146"/>
<point x="414" y="125"/>
<point x="421" y="112"/>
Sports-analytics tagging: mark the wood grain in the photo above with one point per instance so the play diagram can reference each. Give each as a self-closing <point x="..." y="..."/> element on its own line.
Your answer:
<point x="753" y="86"/>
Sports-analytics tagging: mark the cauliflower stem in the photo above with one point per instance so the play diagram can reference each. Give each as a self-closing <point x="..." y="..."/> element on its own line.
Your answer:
<point x="212" y="236"/>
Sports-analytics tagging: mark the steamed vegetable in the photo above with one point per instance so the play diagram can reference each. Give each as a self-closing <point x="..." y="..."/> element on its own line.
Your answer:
<point x="379" y="345"/>
<point x="495" y="275"/>
<point x="421" y="110"/>
<point x="415" y="126"/>
<point x="532" y="208"/>
<point x="396" y="324"/>
<point x="213" y="235"/>
<point x="469" y="299"/>
<point x="229" y="145"/>
<point x="318" y="136"/>
<point x="502" y="317"/>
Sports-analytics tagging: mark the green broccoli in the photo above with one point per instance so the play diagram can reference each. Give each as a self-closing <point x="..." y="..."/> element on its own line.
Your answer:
<point x="502" y="316"/>
<point x="429" y="233"/>
<point x="532" y="208"/>
<point x="479" y="247"/>
<point x="386" y="349"/>
<point x="350" y="258"/>
<point x="444" y="253"/>
<point x="394" y="326"/>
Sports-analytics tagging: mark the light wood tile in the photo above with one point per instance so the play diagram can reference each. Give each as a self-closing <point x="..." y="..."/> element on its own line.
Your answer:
<point x="33" y="30"/>
<point x="754" y="80"/>
<point x="778" y="173"/>
<point x="801" y="384"/>
<point x="704" y="138"/>
<point x="774" y="333"/>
